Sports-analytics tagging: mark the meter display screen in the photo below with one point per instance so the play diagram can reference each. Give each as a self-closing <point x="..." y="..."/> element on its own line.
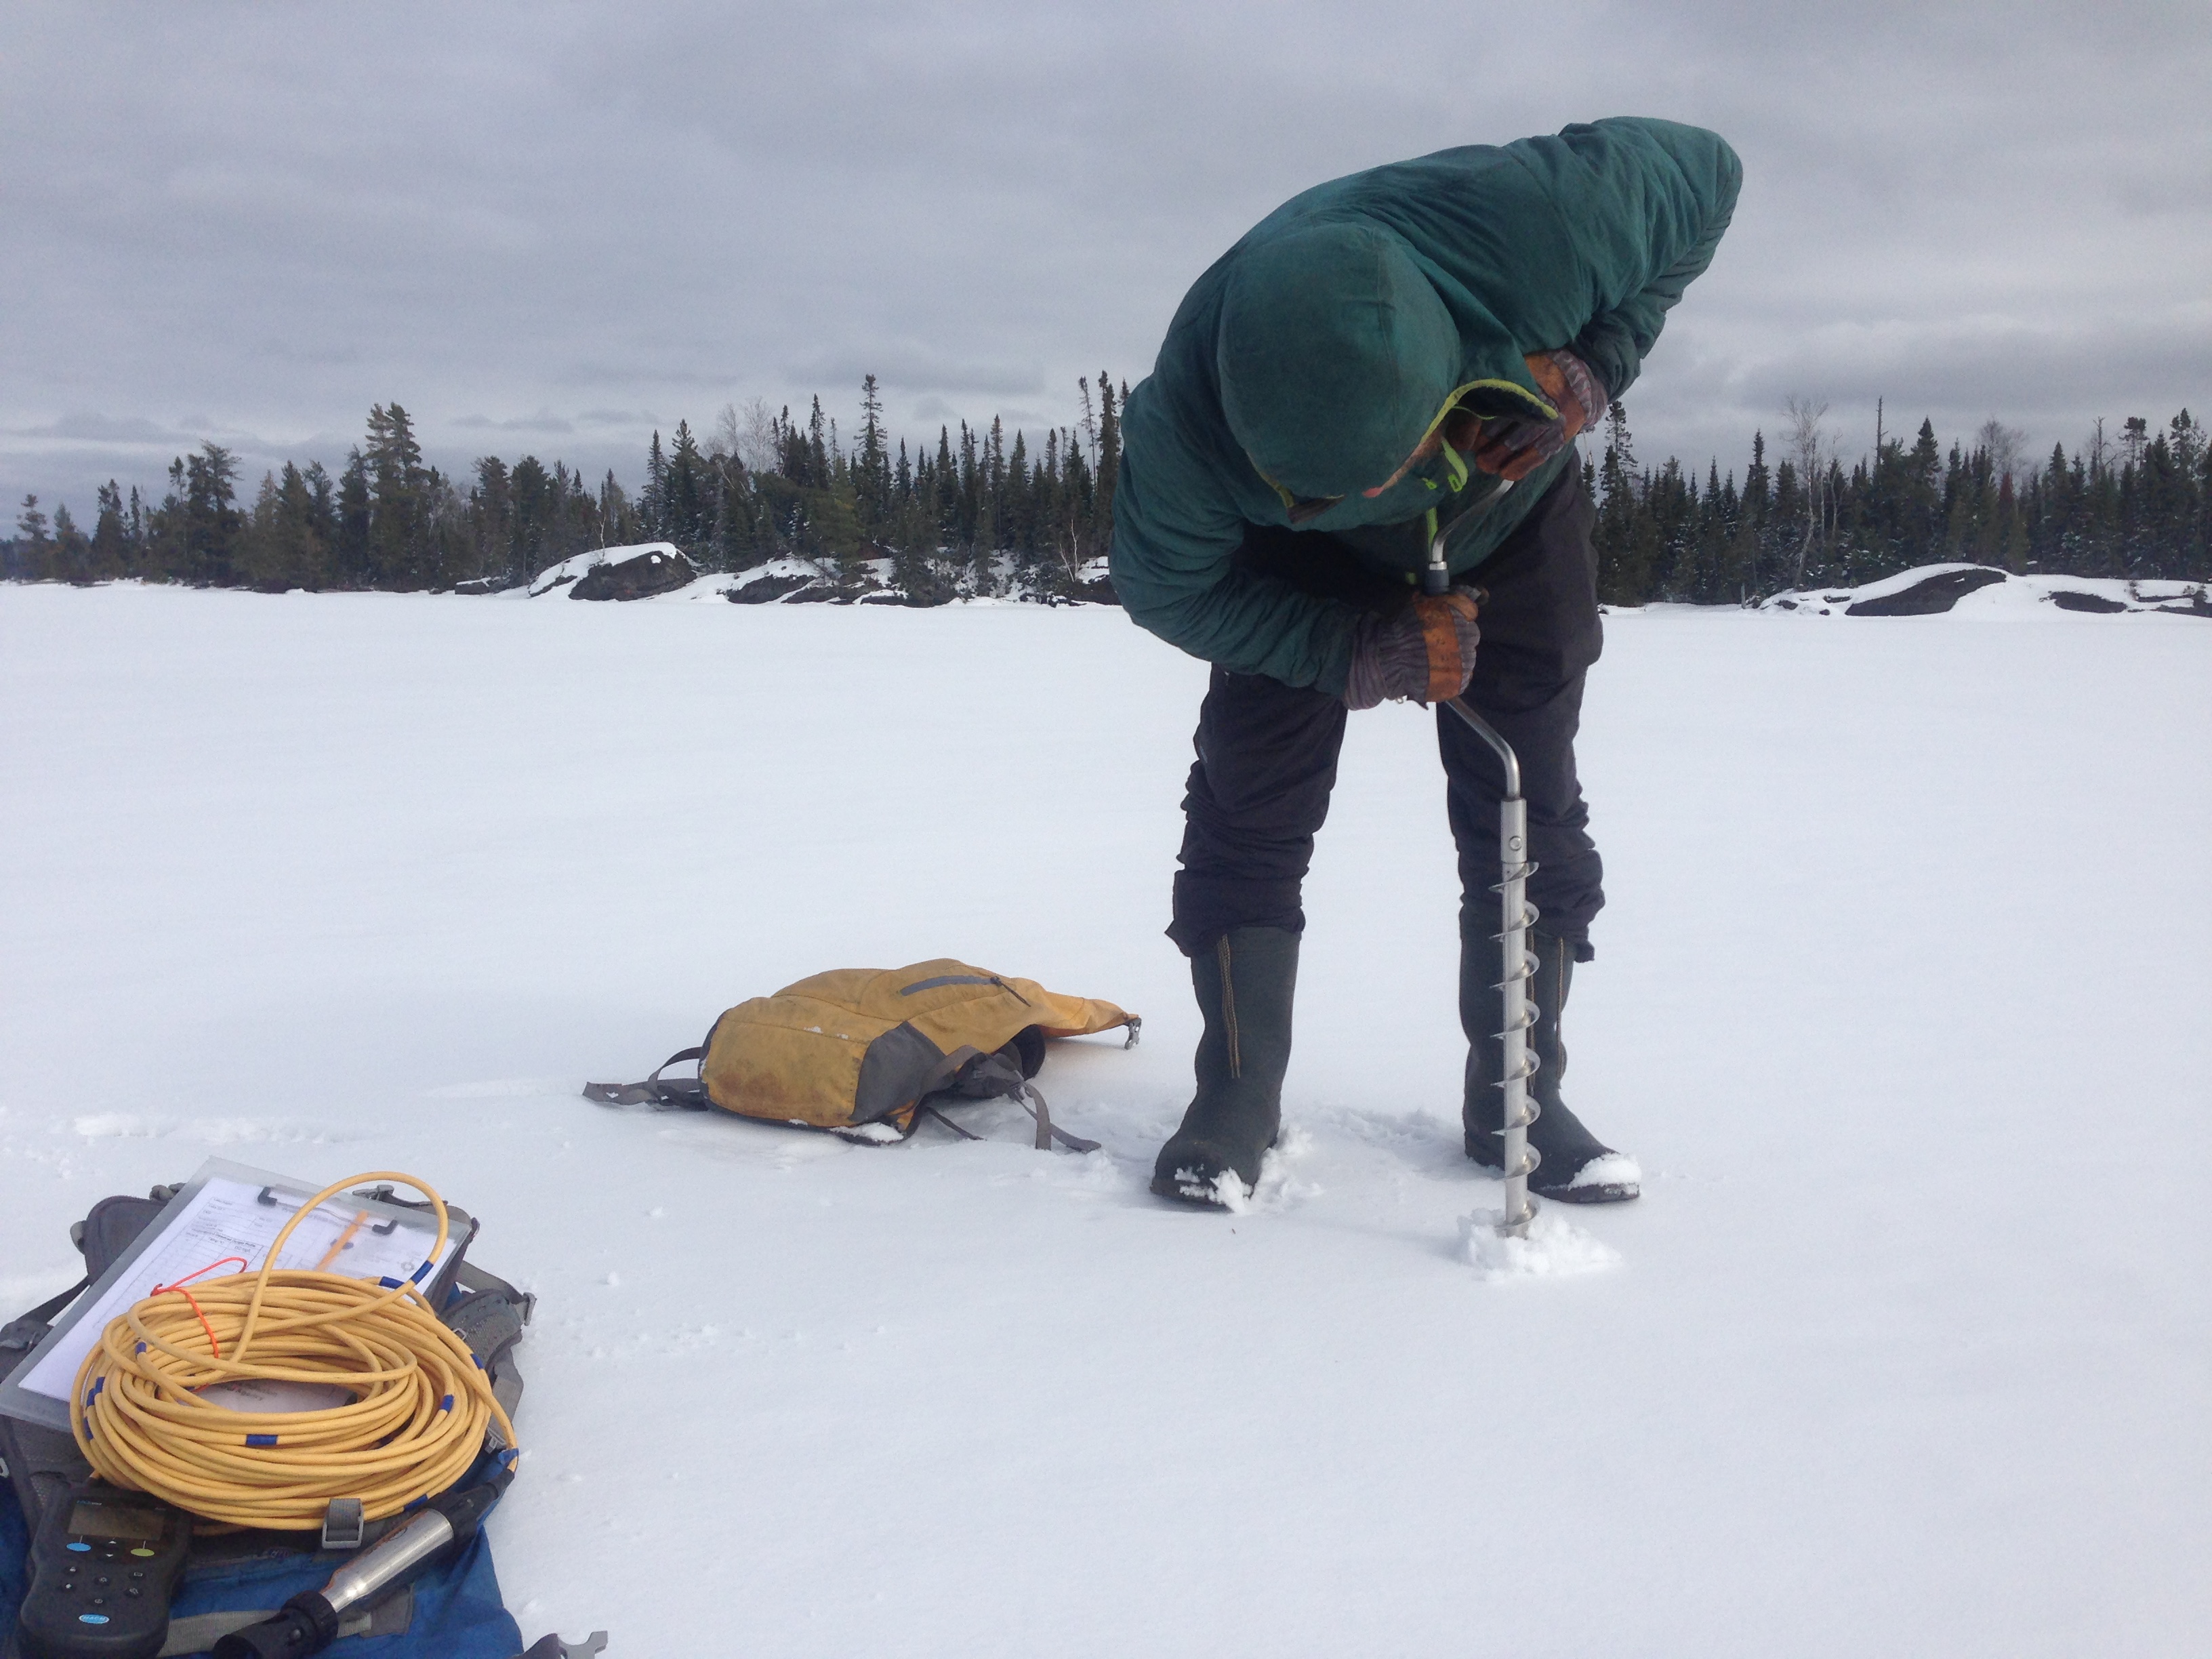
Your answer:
<point x="89" y="1520"/>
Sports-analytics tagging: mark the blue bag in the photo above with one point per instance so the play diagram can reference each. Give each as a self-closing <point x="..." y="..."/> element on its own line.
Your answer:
<point x="454" y="1612"/>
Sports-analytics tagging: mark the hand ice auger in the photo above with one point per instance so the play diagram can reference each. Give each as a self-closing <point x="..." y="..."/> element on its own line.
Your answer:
<point x="1515" y="916"/>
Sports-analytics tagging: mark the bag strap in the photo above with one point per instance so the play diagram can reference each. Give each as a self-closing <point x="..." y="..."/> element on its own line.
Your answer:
<point x="677" y="1094"/>
<point x="689" y="1094"/>
<point x="1046" y="1132"/>
<point x="927" y="1110"/>
<point x="21" y="1335"/>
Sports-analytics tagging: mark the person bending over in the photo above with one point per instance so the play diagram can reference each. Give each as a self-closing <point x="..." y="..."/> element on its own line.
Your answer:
<point x="1405" y="351"/>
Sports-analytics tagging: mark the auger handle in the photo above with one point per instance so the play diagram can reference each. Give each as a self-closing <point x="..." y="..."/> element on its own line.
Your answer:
<point x="1436" y="575"/>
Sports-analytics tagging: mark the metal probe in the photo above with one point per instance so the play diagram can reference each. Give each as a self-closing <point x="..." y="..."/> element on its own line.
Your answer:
<point x="308" y="1623"/>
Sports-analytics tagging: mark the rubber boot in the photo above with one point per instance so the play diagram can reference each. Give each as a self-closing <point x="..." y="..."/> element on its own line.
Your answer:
<point x="1244" y="985"/>
<point x="1570" y="1166"/>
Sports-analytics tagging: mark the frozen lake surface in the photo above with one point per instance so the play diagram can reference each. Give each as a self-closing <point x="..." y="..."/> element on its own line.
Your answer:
<point x="1900" y="1001"/>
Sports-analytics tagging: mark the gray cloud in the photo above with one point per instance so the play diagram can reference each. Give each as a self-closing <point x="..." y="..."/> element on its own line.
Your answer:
<point x="102" y="429"/>
<point x="560" y="227"/>
<point x="543" y="422"/>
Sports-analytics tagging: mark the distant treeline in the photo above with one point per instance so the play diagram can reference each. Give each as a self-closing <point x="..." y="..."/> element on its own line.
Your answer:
<point x="2140" y="506"/>
<point x="980" y="514"/>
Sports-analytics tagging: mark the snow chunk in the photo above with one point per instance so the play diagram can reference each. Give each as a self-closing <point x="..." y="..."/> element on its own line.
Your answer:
<point x="1226" y="1189"/>
<point x="876" y="1134"/>
<point x="1279" y="1189"/>
<point x="1613" y="1170"/>
<point x="1554" y="1247"/>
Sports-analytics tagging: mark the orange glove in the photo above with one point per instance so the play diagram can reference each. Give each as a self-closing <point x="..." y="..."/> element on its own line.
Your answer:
<point x="1426" y="652"/>
<point x="1513" y="446"/>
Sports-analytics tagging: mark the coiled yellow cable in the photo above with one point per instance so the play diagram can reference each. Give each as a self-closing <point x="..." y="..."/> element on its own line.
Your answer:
<point x="417" y="1420"/>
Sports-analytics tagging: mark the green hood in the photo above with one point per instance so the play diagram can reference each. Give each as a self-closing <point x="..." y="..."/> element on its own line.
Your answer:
<point x="1335" y="355"/>
<point x="1310" y="359"/>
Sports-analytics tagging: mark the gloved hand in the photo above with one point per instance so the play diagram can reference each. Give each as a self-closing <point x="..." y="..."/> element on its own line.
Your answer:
<point x="1512" y="446"/>
<point x="1425" y="651"/>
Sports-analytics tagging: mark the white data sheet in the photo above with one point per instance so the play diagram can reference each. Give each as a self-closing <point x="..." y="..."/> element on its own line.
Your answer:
<point x="226" y="1210"/>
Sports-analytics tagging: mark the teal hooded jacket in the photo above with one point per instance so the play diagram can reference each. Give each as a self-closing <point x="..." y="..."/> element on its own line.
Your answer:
<point x="1315" y="355"/>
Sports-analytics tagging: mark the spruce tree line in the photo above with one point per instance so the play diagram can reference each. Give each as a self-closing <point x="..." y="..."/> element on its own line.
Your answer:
<point x="2139" y="507"/>
<point x="979" y="515"/>
<point x="386" y="521"/>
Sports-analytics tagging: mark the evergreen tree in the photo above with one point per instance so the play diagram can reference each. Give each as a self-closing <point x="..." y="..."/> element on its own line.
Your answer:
<point x="1924" y="483"/>
<point x="287" y="536"/>
<point x="947" y="475"/>
<point x="1626" y="538"/>
<point x="205" y="526"/>
<point x="110" y="543"/>
<point x="817" y="449"/>
<point x="1017" y="503"/>
<point x="617" y="522"/>
<point x="491" y="518"/>
<point x="991" y="489"/>
<point x="872" y="466"/>
<point x="534" y="536"/>
<point x="1078" y="501"/>
<point x="355" y="565"/>
<point x="687" y="513"/>
<point x="402" y="551"/>
<point x="1110" y="459"/>
<point x="134" y="535"/>
<point x="72" y="551"/>
<point x="971" y="493"/>
<point x="2135" y="437"/>
<point x="653" y="500"/>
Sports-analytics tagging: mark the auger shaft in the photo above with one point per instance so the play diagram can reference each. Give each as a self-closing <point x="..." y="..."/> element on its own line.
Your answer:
<point x="1518" y="964"/>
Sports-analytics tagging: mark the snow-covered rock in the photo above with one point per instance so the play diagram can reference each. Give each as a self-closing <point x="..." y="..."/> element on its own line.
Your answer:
<point x="643" y="575"/>
<point x="1985" y="591"/>
<point x="809" y="581"/>
<point x="645" y="555"/>
<point x="999" y="581"/>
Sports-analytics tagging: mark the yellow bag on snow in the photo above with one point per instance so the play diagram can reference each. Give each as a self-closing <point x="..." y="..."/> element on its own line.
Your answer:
<point x="865" y="1052"/>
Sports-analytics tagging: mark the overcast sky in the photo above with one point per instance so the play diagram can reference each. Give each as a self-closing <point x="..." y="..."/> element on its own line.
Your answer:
<point x="551" y="230"/>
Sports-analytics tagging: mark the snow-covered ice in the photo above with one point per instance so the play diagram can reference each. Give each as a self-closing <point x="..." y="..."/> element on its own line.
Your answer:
<point x="1900" y="1003"/>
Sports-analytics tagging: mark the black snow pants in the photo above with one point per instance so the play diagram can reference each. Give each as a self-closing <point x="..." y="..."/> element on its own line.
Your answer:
<point x="1267" y="751"/>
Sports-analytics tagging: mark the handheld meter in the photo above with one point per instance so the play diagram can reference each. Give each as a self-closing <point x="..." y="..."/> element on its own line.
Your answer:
<point x="103" y="1567"/>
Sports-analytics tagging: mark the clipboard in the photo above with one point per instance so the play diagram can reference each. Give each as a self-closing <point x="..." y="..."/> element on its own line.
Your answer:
<point x="233" y="1210"/>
